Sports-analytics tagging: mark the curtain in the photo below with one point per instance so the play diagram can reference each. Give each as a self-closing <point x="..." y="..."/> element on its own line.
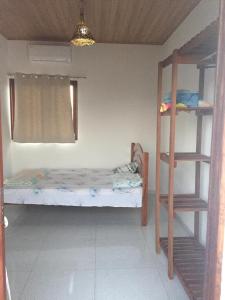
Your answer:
<point x="43" y="112"/>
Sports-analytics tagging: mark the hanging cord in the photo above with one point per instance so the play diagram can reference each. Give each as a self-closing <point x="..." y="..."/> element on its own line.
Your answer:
<point x="82" y="10"/>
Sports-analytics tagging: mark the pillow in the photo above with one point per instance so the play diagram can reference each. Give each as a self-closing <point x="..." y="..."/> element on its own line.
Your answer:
<point x="126" y="180"/>
<point x="132" y="167"/>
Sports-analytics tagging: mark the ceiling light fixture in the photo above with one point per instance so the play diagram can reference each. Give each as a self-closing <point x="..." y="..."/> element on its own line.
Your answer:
<point x="82" y="36"/>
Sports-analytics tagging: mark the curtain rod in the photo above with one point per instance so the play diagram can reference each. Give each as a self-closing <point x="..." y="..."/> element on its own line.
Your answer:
<point x="12" y="75"/>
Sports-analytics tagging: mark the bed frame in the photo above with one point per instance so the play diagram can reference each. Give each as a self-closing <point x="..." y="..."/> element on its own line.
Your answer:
<point x="141" y="157"/>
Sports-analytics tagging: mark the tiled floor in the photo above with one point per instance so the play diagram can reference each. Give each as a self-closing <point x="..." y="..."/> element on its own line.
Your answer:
<point x="59" y="253"/>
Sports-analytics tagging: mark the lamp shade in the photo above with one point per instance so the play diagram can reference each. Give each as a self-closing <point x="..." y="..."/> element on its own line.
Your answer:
<point x="82" y="36"/>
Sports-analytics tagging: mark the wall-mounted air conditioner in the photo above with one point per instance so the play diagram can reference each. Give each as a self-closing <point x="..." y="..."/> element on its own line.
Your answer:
<point x="49" y="53"/>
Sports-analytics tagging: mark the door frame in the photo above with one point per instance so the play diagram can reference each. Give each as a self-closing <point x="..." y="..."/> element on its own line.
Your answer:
<point x="2" y="226"/>
<point x="216" y="211"/>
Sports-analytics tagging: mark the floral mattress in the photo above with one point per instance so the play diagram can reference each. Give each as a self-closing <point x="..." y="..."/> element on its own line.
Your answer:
<point x="74" y="187"/>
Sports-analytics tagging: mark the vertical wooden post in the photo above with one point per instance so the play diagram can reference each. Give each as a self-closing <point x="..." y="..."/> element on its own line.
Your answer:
<point x="171" y="164"/>
<point x="75" y="108"/>
<point x="132" y="152"/>
<point x="2" y="229"/>
<point x="198" y="150"/>
<point x="158" y="133"/>
<point x="216" y="205"/>
<point x="12" y="103"/>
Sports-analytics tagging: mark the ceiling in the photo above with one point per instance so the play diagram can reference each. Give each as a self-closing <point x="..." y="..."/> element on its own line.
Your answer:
<point x="111" y="21"/>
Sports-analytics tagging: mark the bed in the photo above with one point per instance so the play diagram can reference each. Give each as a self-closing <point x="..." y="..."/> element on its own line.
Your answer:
<point x="81" y="187"/>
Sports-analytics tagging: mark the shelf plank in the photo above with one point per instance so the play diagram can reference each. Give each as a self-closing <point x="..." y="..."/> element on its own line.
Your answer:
<point x="204" y="43"/>
<point x="186" y="204"/>
<point x="185" y="156"/>
<point x="201" y="46"/>
<point x="198" y="110"/>
<point x="209" y="61"/>
<point x="189" y="264"/>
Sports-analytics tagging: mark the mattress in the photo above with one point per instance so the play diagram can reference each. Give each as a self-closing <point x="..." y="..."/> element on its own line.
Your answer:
<point x="69" y="187"/>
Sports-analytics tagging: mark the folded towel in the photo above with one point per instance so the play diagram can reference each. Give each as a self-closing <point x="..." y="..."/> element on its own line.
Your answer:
<point x="187" y="97"/>
<point x="203" y="103"/>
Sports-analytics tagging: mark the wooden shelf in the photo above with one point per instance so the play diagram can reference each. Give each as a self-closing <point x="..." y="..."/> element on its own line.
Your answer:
<point x="185" y="156"/>
<point x="204" y="43"/>
<point x="197" y="50"/>
<point x="186" y="256"/>
<point x="185" y="203"/>
<point x="197" y="110"/>
<point x="189" y="264"/>
<point x="209" y="61"/>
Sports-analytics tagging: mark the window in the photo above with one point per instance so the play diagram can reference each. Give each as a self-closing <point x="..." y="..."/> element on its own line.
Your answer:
<point x="55" y="126"/>
<point x="74" y="103"/>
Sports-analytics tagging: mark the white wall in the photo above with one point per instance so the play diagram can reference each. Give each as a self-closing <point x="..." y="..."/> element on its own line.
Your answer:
<point x="205" y="13"/>
<point x="5" y="105"/>
<point x="117" y="105"/>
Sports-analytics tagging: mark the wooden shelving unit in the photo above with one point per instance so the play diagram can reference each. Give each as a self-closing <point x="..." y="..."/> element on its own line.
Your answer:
<point x="186" y="256"/>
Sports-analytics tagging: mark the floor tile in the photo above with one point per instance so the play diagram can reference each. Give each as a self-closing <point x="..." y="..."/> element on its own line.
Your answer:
<point x="124" y="284"/>
<point x="17" y="282"/>
<point x="23" y="248"/>
<point x="65" y="253"/>
<point x="106" y="216"/>
<point x="64" y="257"/>
<point x="118" y="232"/>
<point x="25" y="238"/>
<point x="68" y="216"/>
<point x="21" y="260"/>
<point x="66" y="235"/>
<point x="60" y="286"/>
<point x="173" y="287"/>
<point x="123" y="254"/>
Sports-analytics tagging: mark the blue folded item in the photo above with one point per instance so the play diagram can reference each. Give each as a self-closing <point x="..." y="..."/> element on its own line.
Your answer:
<point x="187" y="97"/>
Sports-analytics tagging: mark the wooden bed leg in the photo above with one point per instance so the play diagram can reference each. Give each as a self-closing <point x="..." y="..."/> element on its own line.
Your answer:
<point x="144" y="209"/>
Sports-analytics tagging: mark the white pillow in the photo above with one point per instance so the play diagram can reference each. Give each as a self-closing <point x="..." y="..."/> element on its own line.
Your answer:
<point x="132" y="167"/>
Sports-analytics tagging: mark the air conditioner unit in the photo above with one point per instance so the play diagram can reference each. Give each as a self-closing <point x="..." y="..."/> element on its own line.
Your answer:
<point x="49" y="53"/>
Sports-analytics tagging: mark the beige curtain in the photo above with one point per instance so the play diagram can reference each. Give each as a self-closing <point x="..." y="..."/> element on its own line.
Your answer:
<point x="43" y="112"/>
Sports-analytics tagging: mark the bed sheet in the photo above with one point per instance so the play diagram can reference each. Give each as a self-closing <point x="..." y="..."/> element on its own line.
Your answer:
<point x="69" y="187"/>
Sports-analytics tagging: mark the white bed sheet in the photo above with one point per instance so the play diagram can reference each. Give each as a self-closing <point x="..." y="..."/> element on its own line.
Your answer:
<point x="69" y="187"/>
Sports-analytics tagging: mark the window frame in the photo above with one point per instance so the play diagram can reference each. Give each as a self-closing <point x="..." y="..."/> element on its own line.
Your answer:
<point x="74" y="85"/>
